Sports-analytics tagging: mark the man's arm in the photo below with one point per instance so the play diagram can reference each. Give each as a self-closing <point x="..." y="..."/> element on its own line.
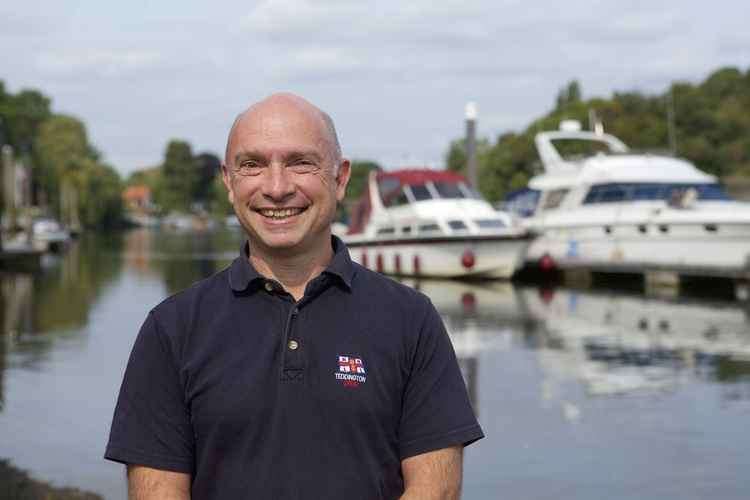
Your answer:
<point x="435" y="475"/>
<point x="145" y="483"/>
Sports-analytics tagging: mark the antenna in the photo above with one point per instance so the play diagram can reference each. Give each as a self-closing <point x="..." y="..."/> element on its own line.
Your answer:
<point x="671" y="131"/>
<point x="471" y="143"/>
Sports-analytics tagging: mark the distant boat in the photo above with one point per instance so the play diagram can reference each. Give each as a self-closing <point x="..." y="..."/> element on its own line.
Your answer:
<point x="50" y="233"/>
<point x="47" y="235"/>
<point x="618" y="211"/>
<point x="421" y="222"/>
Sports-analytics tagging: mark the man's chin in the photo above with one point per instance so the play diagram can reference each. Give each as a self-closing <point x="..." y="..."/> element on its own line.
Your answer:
<point x="281" y="245"/>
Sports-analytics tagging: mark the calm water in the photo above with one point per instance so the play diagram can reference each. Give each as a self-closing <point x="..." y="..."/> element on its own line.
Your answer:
<point x="584" y="395"/>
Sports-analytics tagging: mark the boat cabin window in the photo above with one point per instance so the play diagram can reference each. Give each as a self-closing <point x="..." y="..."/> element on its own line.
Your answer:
<point x="469" y="192"/>
<point x="457" y="225"/>
<point x="614" y="192"/>
<point x="522" y="202"/>
<point x="448" y="190"/>
<point x="420" y="192"/>
<point x="386" y="230"/>
<point x="490" y="223"/>
<point x="395" y="198"/>
<point x="386" y="186"/>
<point x="554" y="198"/>
<point x="406" y="230"/>
<point x="429" y="228"/>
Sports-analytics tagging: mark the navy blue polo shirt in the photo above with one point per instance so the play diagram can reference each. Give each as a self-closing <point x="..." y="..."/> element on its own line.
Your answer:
<point x="258" y="396"/>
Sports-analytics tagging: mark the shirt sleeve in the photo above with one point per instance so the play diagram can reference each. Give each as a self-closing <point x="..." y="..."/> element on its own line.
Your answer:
<point x="151" y="424"/>
<point x="436" y="411"/>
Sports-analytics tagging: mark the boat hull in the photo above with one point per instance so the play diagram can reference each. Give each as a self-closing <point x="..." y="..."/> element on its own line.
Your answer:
<point x="494" y="257"/>
<point x="722" y="251"/>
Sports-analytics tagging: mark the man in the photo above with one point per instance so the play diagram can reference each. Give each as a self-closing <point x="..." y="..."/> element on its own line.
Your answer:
<point x="294" y="373"/>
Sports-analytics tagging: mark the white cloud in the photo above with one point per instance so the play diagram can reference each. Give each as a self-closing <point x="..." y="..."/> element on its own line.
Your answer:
<point x="102" y="62"/>
<point x="138" y="78"/>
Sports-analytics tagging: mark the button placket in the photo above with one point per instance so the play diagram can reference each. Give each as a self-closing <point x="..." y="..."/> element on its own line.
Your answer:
<point x="293" y="369"/>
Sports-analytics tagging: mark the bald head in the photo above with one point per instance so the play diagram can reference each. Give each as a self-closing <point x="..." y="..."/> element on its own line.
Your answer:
<point x="284" y="109"/>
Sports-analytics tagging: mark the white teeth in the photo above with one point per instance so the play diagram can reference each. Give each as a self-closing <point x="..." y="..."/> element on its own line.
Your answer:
<point x="280" y="213"/>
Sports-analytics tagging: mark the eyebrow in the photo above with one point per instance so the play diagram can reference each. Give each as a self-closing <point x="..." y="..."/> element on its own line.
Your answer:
<point x="287" y="157"/>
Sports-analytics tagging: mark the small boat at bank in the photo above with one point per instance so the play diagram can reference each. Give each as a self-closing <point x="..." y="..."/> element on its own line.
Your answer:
<point x="50" y="235"/>
<point x="430" y="223"/>
<point x="617" y="211"/>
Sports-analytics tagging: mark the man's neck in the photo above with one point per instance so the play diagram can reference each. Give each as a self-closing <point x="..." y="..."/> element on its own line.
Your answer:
<point x="293" y="270"/>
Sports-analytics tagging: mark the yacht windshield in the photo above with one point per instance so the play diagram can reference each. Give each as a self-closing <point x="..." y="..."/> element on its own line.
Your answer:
<point x="449" y="190"/>
<point x="386" y="186"/>
<point x="420" y="192"/>
<point x="614" y="192"/>
<point x="396" y="198"/>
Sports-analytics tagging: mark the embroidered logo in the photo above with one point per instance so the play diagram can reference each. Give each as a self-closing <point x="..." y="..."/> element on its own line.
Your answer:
<point x="351" y="371"/>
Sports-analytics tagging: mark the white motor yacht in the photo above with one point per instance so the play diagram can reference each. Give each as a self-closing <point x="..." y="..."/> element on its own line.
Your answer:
<point x="617" y="211"/>
<point x="421" y="222"/>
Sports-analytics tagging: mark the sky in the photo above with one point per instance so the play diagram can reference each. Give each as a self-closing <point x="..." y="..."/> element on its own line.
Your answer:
<point x="395" y="76"/>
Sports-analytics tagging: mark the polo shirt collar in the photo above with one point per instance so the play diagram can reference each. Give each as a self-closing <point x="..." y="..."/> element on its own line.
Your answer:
<point x="242" y="273"/>
<point x="341" y="265"/>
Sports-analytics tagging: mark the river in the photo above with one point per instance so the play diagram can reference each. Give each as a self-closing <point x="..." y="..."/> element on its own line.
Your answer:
<point x="583" y="394"/>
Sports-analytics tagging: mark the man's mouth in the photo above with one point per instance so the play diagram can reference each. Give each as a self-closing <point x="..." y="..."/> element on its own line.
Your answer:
<point x="280" y="213"/>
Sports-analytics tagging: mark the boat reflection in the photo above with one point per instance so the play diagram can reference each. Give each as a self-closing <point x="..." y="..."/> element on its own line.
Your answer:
<point x="616" y="344"/>
<point x="39" y="309"/>
<point x="593" y="343"/>
<point x="479" y="318"/>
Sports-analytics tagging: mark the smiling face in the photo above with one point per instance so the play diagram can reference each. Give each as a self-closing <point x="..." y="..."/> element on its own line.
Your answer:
<point x="284" y="176"/>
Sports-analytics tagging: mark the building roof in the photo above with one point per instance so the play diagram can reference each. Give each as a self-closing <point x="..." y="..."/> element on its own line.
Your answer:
<point x="137" y="192"/>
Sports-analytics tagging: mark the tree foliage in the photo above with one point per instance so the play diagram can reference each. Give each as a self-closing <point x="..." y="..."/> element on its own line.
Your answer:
<point x="358" y="180"/>
<point x="61" y="158"/>
<point x="66" y="161"/>
<point x="184" y="182"/>
<point x="711" y="123"/>
<point x="179" y="176"/>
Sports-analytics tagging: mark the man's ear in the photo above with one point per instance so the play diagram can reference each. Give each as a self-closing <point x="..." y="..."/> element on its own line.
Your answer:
<point x="342" y="178"/>
<point x="227" y="178"/>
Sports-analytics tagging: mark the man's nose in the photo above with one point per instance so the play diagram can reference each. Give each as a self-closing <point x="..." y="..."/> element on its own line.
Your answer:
<point x="278" y="185"/>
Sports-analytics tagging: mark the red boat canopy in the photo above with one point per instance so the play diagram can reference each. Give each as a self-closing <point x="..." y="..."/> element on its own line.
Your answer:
<point x="417" y="176"/>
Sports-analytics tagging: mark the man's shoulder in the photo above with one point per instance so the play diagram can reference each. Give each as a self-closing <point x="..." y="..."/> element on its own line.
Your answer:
<point x="209" y="289"/>
<point x="379" y="287"/>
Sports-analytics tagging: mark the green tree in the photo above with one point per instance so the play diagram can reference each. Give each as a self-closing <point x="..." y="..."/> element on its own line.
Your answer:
<point x="208" y="168"/>
<point x="62" y="150"/>
<point x="21" y="116"/>
<point x="455" y="159"/>
<point x="712" y="129"/>
<point x="178" y="178"/>
<point x="570" y="94"/>
<point x="358" y="180"/>
<point x="87" y="191"/>
<point x="220" y="205"/>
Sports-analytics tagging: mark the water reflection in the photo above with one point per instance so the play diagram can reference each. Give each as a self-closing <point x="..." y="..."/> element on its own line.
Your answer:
<point x="548" y="371"/>
<point x="621" y="344"/>
<point x="54" y="303"/>
<point x="180" y="258"/>
<point x="479" y="318"/>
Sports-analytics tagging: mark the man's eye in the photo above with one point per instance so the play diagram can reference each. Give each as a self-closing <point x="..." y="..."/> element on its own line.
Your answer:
<point x="302" y="166"/>
<point x="249" y="168"/>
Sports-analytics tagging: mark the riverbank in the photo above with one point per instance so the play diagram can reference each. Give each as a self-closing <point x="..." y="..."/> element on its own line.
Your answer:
<point x="16" y="484"/>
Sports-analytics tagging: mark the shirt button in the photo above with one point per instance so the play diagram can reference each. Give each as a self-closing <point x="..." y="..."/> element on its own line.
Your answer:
<point x="269" y="286"/>
<point x="293" y="345"/>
